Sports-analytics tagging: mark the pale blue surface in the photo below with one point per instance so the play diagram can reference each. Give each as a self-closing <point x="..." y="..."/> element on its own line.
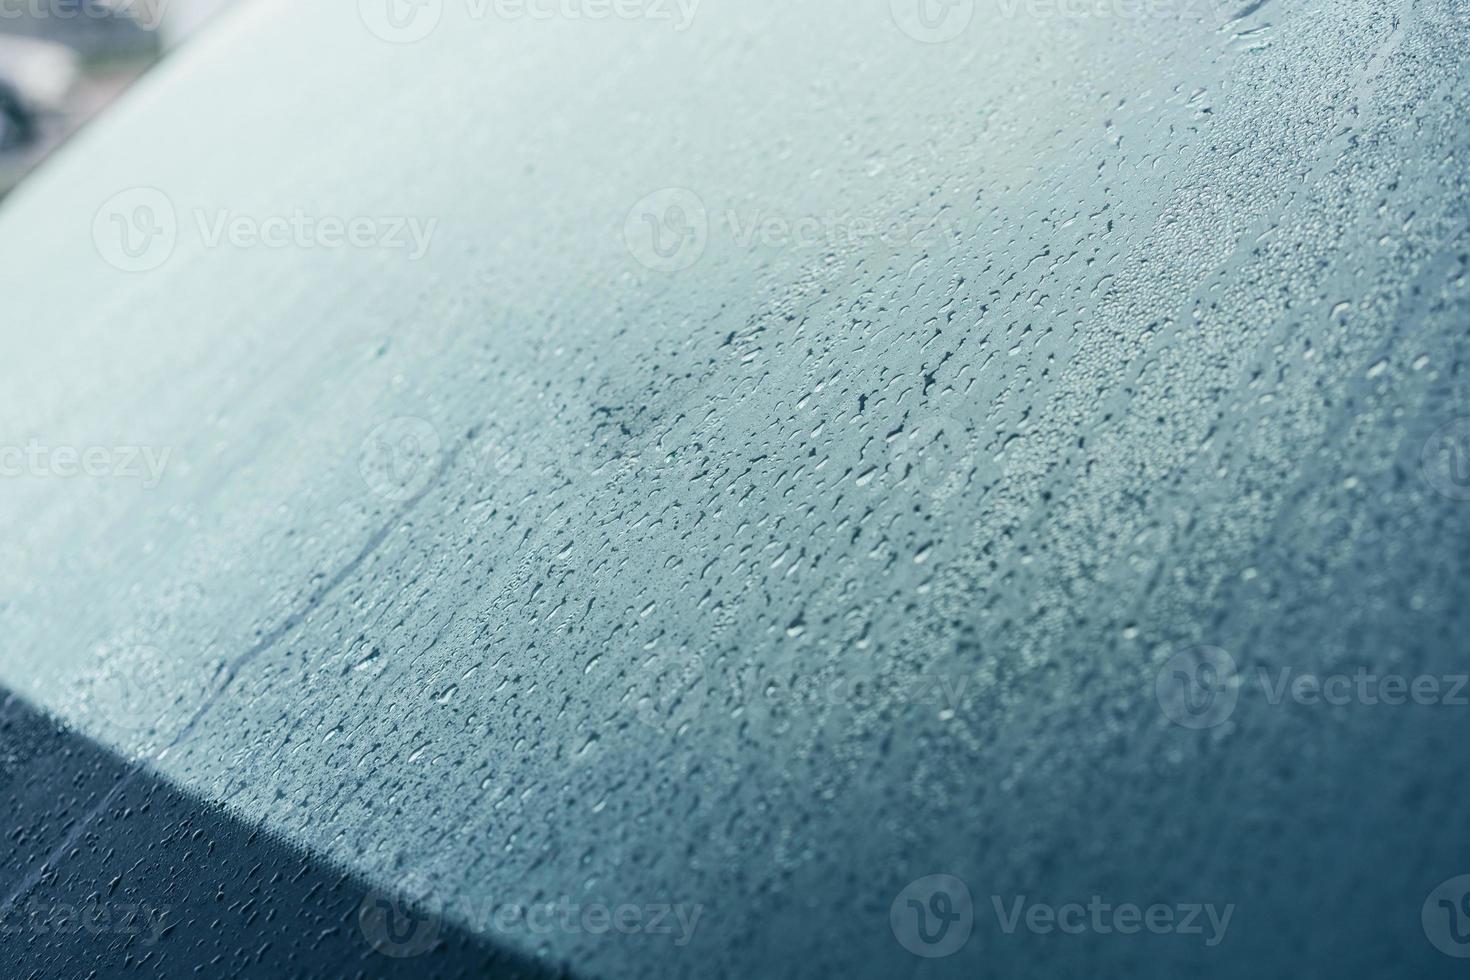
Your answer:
<point x="771" y="583"/>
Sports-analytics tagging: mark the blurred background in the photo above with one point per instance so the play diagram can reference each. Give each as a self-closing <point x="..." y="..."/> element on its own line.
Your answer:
<point x="63" y="61"/>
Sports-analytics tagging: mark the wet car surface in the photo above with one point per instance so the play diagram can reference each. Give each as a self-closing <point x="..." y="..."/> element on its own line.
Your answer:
<point x="754" y="490"/>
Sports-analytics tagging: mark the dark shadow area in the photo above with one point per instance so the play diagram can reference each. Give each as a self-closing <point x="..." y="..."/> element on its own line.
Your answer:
<point x="109" y="871"/>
